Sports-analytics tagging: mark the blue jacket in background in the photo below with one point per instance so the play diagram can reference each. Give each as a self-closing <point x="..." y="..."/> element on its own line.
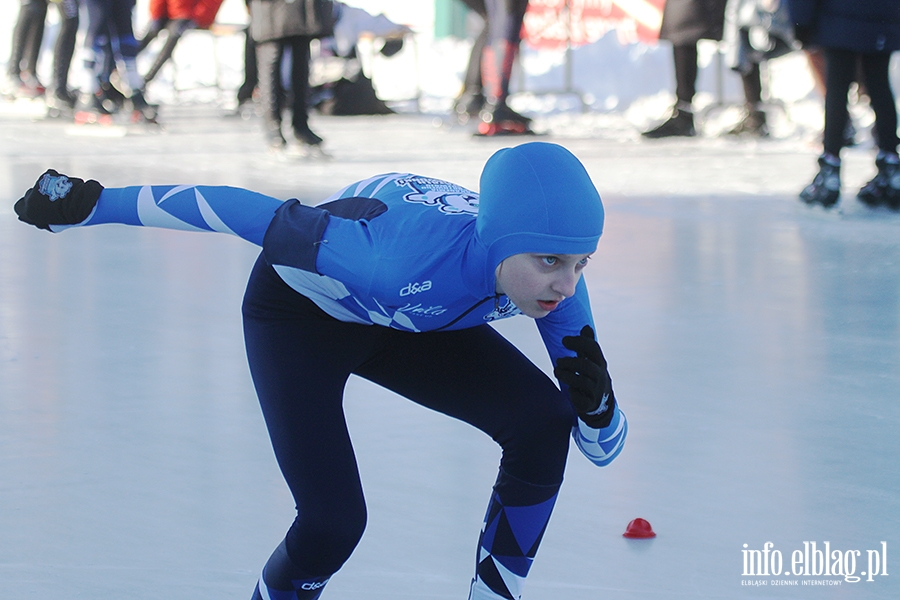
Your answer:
<point x="865" y="26"/>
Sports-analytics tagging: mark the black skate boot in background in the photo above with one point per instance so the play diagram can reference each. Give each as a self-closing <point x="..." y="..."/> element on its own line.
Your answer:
<point x="61" y="102"/>
<point x="96" y="109"/>
<point x="141" y="110"/>
<point x="500" y="119"/>
<point x="884" y="188"/>
<point x="753" y="124"/>
<point x="497" y="118"/>
<point x="468" y="106"/>
<point x="825" y="188"/>
<point x="680" y="124"/>
<point x="306" y="136"/>
<point x="309" y="144"/>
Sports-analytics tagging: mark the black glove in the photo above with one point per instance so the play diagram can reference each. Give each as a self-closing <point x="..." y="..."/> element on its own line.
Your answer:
<point x="590" y="387"/>
<point x="58" y="200"/>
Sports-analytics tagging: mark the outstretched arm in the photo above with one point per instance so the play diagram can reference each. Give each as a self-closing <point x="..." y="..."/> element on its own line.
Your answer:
<point x="57" y="202"/>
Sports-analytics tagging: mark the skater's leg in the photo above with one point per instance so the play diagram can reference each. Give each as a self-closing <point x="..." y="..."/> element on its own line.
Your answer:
<point x="884" y="188"/>
<point x="124" y="43"/>
<point x="64" y="50"/>
<point x="300" y="92"/>
<point x="28" y="33"/>
<point x="28" y="13"/>
<point x="472" y="99"/>
<point x="153" y="30"/>
<point x="251" y="77"/>
<point x="300" y="359"/>
<point x="681" y="122"/>
<point x="271" y="92"/>
<point x="472" y="82"/>
<point x="98" y="51"/>
<point x="159" y="18"/>
<point x="100" y="58"/>
<point x="514" y="524"/>
<point x="477" y="376"/>
<point x="685" y="59"/>
<point x="476" y="6"/>
<point x="504" y="22"/>
<point x="174" y="30"/>
<point x="825" y="188"/>
<point x="753" y="121"/>
<point x="876" y="69"/>
<point x="840" y="71"/>
<point x="504" y="35"/>
<point x="35" y="40"/>
<point x="126" y="49"/>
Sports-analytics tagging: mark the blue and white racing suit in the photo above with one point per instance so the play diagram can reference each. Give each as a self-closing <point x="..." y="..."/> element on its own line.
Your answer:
<point x="389" y="279"/>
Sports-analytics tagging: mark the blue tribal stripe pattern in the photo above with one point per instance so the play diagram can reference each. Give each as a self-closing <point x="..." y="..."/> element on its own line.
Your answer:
<point x="417" y="289"/>
<point x="510" y="538"/>
<point x="601" y="446"/>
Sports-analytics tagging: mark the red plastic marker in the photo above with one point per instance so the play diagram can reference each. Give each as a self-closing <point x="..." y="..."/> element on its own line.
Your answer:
<point x="639" y="529"/>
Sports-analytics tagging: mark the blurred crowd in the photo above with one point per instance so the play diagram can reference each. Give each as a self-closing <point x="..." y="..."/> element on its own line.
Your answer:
<point x="848" y="45"/>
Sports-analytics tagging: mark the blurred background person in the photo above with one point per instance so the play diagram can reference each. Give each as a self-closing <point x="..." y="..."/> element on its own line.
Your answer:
<point x="486" y="84"/>
<point x="110" y="41"/>
<point x="279" y="28"/>
<point x="854" y="34"/>
<point x="684" y="23"/>
<point x="28" y="34"/>
<point x="755" y="31"/>
<point x="175" y="17"/>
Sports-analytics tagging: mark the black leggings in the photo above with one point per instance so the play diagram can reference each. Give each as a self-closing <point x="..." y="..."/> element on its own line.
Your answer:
<point x="109" y="27"/>
<point x="272" y="94"/>
<point x="686" y="70"/>
<point x="28" y="35"/>
<point x="841" y="68"/>
<point x="300" y="359"/>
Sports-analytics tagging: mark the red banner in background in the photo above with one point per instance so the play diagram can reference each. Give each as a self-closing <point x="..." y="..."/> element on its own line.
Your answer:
<point x="553" y="23"/>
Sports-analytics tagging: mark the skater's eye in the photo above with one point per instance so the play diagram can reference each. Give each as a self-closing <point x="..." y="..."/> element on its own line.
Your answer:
<point x="549" y="260"/>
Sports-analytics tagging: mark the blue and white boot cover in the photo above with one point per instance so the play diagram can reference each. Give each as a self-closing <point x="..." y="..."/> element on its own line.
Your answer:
<point x="515" y="522"/>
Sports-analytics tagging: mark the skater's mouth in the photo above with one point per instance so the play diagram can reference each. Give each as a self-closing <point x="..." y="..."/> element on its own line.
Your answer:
<point x="548" y="305"/>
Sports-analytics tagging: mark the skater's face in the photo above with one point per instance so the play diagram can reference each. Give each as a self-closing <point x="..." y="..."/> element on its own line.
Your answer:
<point x="537" y="283"/>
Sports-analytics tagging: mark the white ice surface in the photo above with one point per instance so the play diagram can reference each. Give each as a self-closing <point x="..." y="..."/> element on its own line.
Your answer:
<point x="754" y="344"/>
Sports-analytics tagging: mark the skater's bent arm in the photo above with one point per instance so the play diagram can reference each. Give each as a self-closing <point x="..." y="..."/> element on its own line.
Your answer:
<point x="601" y="445"/>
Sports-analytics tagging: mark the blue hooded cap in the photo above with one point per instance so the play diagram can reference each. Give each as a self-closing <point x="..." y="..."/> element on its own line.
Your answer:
<point x="537" y="198"/>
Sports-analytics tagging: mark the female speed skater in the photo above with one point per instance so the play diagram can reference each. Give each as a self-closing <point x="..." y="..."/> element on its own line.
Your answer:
<point x="396" y="279"/>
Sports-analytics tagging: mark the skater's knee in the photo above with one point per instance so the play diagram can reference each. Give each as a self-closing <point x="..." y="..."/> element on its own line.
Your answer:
<point x="547" y="420"/>
<point x="538" y="442"/>
<point x="321" y="546"/>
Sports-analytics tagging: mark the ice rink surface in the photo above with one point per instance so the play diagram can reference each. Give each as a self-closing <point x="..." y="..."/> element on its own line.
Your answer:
<point x="754" y="345"/>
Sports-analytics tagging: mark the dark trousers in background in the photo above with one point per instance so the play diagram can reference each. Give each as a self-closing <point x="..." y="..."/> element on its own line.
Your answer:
<point x="841" y="71"/>
<point x="273" y="95"/>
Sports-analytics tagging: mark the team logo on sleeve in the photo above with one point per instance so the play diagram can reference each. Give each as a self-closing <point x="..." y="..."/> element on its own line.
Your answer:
<point x="54" y="186"/>
<point x="449" y="198"/>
